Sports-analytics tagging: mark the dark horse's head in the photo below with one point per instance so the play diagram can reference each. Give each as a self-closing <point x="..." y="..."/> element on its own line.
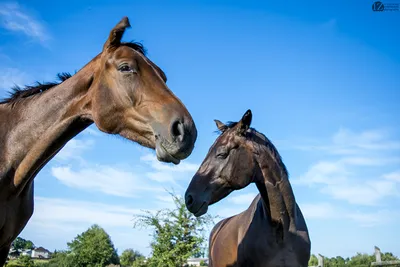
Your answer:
<point x="129" y="96"/>
<point x="229" y="165"/>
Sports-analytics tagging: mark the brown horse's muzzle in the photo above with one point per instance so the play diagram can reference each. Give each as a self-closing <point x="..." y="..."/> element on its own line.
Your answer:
<point x="177" y="142"/>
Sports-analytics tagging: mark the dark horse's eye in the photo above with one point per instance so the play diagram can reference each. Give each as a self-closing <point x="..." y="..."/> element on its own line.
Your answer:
<point x="222" y="152"/>
<point x="126" y="68"/>
<point x="222" y="155"/>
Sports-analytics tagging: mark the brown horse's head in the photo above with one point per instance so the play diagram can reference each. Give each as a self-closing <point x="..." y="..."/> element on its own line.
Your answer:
<point x="130" y="97"/>
<point x="229" y="165"/>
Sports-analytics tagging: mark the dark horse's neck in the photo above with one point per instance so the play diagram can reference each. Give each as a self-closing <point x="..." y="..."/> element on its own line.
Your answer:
<point x="273" y="184"/>
<point x="38" y="126"/>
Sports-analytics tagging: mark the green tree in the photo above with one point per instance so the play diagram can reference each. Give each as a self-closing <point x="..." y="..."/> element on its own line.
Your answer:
<point x="340" y="261"/>
<point x="388" y="256"/>
<point x="313" y="260"/>
<point x="140" y="262"/>
<point x="20" y="244"/>
<point x="177" y="234"/>
<point x="26" y="261"/>
<point x="29" y="245"/>
<point x="361" y="260"/>
<point x="129" y="256"/>
<point x="337" y="261"/>
<point x="93" y="248"/>
<point x="358" y="260"/>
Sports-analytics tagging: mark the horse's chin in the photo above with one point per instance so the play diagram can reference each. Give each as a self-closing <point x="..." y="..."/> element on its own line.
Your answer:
<point x="164" y="156"/>
<point x="202" y="210"/>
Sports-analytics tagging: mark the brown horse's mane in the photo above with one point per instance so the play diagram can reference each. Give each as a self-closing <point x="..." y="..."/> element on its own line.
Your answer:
<point x="260" y="139"/>
<point x="17" y="93"/>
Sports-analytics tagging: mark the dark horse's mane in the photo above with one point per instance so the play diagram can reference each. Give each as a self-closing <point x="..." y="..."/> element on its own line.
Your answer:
<point x="17" y="93"/>
<point x="261" y="139"/>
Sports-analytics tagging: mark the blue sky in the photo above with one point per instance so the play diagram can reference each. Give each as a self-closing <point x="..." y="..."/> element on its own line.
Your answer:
<point x="322" y="80"/>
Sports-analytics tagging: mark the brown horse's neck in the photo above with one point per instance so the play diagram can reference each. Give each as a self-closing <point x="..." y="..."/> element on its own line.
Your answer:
<point x="275" y="189"/>
<point x="40" y="125"/>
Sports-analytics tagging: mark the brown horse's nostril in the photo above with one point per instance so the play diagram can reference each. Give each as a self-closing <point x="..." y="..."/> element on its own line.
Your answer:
<point x="189" y="200"/>
<point x="177" y="130"/>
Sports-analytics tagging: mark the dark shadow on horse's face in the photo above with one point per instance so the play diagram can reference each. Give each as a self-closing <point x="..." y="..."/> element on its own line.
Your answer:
<point x="229" y="165"/>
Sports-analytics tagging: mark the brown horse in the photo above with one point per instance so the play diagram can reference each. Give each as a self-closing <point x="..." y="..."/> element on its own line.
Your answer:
<point x="272" y="231"/>
<point x="120" y="90"/>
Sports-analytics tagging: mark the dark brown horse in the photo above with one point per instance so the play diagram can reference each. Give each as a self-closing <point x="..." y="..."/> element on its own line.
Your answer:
<point x="120" y="90"/>
<point x="272" y="231"/>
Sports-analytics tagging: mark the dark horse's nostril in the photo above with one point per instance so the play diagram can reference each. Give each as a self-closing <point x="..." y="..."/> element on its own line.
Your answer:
<point x="177" y="130"/>
<point x="189" y="200"/>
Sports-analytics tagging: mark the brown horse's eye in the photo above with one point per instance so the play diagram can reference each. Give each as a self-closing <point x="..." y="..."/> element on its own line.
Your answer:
<point x="126" y="68"/>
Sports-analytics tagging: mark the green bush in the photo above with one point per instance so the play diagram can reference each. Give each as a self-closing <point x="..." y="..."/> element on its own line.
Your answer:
<point x="14" y="263"/>
<point x="42" y="264"/>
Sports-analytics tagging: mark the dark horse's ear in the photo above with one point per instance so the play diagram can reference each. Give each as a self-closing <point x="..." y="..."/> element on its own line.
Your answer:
<point x="114" y="39"/>
<point x="222" y="127"/>
<point x="244" y="123"/>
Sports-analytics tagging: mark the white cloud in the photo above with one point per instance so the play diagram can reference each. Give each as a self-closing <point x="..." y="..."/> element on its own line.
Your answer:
<point x="160" y="166"/>
<point x="393" y="176"/>
<point x="164" y="177"/>
<point x="166" y="198"/>
<point x="344" y="177"/>
<point x="324" y="172"/>
<point x="339" y="181"/>
<point x="323" y="211"/>
<point x="117" y="181"/>
<point x="165" y="201"/>
<point x="57" y="221"/>
<point x="63" y="211"/>
<point x="163" y="172"/>
<point x="327" y="211"/>
<point x="368" y="140"/>
<point x="11" y="76"/>
<point x="73" y="150"/>
<point x="244" y="199"/>
<point x="104" y="179"/>
<point x="370" y="161"/>
<point x="368" y="193"/>
<point x="371" y="219"/>
<point x="318" y="210"/>
<point x="14" y="18"/>
<point x="347" y="142"/>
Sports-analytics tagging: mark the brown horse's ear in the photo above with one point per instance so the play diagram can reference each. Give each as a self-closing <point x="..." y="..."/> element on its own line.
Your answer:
<point x="222" y="127"/>
<point x="244" y="123"/>
<point x="114" y="39"/>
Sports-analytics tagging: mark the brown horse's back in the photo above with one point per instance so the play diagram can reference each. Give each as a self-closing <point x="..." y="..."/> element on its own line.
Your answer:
<point x="249" y="240"/>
